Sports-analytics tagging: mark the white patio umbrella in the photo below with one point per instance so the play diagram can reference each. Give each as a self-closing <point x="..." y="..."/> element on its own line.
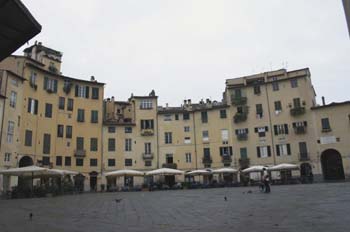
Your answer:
<point x="225" y="170"/>
<point x="164" y="171"/>
<point x="63" y="172"/>
<point x="284" y="166"/>
<point x="257" y="168"/>
<point x="198" y="172"/>
<point x="30" y="171"/>
<point x="124" y="172"/>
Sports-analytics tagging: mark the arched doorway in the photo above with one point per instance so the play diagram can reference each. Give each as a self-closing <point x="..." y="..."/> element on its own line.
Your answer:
<point x="25" y="161"/>
<point x="332" y="165"/>
<point x="93" y="181"/>
<point x="306" y="175"/>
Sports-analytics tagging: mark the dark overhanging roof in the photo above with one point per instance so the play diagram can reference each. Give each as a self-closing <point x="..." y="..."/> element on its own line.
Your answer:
<point x="17" y="26"/>
<point x="347" y="12"/>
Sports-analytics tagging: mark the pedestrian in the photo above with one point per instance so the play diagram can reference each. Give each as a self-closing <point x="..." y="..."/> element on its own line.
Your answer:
<point x="266" y="181"/>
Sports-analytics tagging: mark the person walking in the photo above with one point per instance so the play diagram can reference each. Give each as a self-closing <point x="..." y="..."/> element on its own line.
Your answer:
<point x="266" y="181"/>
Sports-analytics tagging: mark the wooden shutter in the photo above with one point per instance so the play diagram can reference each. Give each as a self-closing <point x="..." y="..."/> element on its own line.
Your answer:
<point x="46" y="80"/>
<point x="76" y="90"/>
<point x="275" y="129"/>
<point x="36" y="105"/>
<point x="286" y="129"/>
<point x="268" y="151"/>
<point x="288" y="149"/>
<point x="230" y="150"/>
<point x="55" y="83"/>
<point x="29" y="105"/>
<point x="258" y="152"/>
<point x="87" y="88"/>
<point x="256" y="130"/>
<point x="266" y="128"/>
<point x="277" y="150"/>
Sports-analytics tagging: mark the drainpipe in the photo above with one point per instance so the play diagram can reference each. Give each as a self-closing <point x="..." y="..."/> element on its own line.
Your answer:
<point x="270" y="122"/>
<point x="3" y="111"/>
<point x="195" y="140"/>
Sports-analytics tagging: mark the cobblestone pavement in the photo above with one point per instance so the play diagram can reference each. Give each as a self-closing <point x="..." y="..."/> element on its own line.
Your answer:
<point x="316" y="207"/>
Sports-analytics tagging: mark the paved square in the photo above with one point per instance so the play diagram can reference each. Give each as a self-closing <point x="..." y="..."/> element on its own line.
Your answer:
<point x="316" y="207"/>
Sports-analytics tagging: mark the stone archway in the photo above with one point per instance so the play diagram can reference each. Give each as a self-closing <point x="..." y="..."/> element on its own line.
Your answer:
<point x="25" y="161"/>
<point x="332" y="165"/>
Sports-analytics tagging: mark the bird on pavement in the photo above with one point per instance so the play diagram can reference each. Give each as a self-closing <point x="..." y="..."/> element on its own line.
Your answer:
<point x="30" y="216"/>
<point x="225" y="198"/>
<point x="118" y="200"/>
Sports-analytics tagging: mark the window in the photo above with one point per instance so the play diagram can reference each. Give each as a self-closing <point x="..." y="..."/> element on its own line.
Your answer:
<point x="325" y="124"/>
<point x="111" y="129"/>
<point x="82" y="91"/>
<point x="257" y="89"/>
<point x="32" y="79"/>
<point x="69" y="132"/>
<point x="187" y="140"/>
<point x="10" y="131"/>
<point x="263" y="151"/>
<point x="188" y="157"/>
<point x="259" y="110"/>
<point x="28" y="138"/>
<point x="148" y="148"/>
<point x="238" y="93"/>
<point x="206" y="152"/>
<point x="148" y="163"/>
<point x="111" y="144"/>
<point x="67" y="161"/>
<point x="128" y="145"/>
<point x="205" y="136"/>
<point x="168" y="137"/>
<point x="303" y="150"/>
<point x="169" y="158"/>
<point x="241" y="131"/>
<point x="93" y="162"/>
<point x="146" y="104"/>
<point x="204" y="116"/>
<point x="128" y="129"/>
<point x="176" y="117"/>
<point x="224" y="135"/>
<point x="13" y="99"/>
<point x="79" y="162"/>
<point x="167" y="117"/>
<point x="94" y="116"/>
<point x="61" y="103"/>
<point x="187" y="129"/>
<point x="147" y="124"/>
<point x="243" y="152"/>
<point x="46" y="160"/>
<point x="93" y="144"/>
<point x="60" y="131"/>
<point x="95" y="93"/>
<point x="186" y="116"/>
<point x="47" y="144"/>
<point x="7" y="157"/>
<point x="48" y="110"/>
<point x="50" y="85"/>
<point x="300" y="127"/>
<point x="33" y="106"/>
<point x="81" y="115"/>
<point x="296" y="102"/>
<point x="223" y="114"/>
<point x="283" y="149"/>
<point x="58" y="160"/>
<point x="80" y="143"/>
<point x="294" y="83"/>
<point x="281" y="129"/>
<point x="261" y="131"/>
<point x="226" y="151"/>
<point x="278" y="106"/>
<point x="128" y="162"/>
<point x="111" y="162"/>
<point x="275" y="86"/>
<point x="70" y="104"/>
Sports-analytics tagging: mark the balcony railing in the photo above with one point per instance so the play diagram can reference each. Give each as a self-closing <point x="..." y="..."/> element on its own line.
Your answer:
<point x="207" y="160"/>
<point x="304" y="156"/>
<point x="80" y="153"/>
<point x="300" y="130"/>
<point x="242" y="137"/>
<point x="172" y="165"/>
<point x="244" y="162"/>
<point x="326" y="129"/>
<point x="297" y="111"/>
<point x="147" y="155"/>
<point x="226" y="159"/>
<point x="240" y="117"/>
<point x="147" y="132"/>
<point x="238" y="100"/>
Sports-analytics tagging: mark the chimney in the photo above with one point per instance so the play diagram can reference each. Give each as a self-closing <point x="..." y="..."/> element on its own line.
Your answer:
<point x="323" y="101"/>
<point x="189" y="101"/>
<point x="92" y="78"/>
<point x="185" y="102"/>
<point x="166" y="105"/>
<point x="112" y="98"/>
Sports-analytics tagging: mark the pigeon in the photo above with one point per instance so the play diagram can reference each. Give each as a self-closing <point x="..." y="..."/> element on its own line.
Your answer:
<point x="225" y="198"/>
<point x="118" y="200"/>
<point x="30" y="216"/>
<point x="249" y="191"/>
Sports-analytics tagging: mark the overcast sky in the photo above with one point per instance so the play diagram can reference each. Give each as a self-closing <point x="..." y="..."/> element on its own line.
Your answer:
<point x="187" y="48"/>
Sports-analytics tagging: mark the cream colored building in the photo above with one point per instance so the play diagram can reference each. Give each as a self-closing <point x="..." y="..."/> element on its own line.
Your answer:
<point x="61" y="118"/>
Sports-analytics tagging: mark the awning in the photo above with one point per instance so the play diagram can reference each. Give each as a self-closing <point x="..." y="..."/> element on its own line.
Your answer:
<point x="198" y="172"/>
<point x="17" y="26"/>
<point x="225" y="170"/>
<point x="124" y="172"/>
<point x="281" y="167"/>
<point x="257" y="168"/>
<point x="30" y="171"/>
<point x="164" y="171"/>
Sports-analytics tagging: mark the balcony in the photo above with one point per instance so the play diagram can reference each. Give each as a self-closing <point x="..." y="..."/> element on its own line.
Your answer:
<point x="242" y="137"/>
<point x="325" y="130"/>
<point x="146" y="156"/>
<point x="304" y="156"/>
<point x="238" y="100"/>
<point x="53" y="69"/>
<point x="147" y="132"/>
<point x="244" y="162"/>
<point x="300" y="130"/>
<point x="296" y="111"/>
<point x="240" y="117"/>
<point x="207" y="160"/>
<point x="169" y="165"/>
<point x="80" y="153"/>
<point x="226" y="159"/>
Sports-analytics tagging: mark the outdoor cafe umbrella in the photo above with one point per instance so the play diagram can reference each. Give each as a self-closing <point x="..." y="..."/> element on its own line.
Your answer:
<point x="285" y="166"/>
<point x="124" y="172"/>
<point x="198" y="172"/>
<point x="257" y="168"/>
<point x="224" y="170"/>
<point x="164" y="171"/>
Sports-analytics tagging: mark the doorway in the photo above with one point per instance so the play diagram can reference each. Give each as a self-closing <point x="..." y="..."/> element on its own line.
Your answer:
<point x="332" y="165"/>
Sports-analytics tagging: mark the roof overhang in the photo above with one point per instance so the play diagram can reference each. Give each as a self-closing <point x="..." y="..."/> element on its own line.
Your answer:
<point x="17" y="26"/>
<point x="346" y="4"/>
